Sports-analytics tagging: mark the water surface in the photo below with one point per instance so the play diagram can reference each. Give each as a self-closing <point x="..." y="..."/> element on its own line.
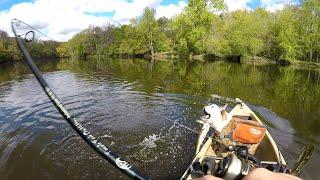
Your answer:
<point x="123" y="101"/>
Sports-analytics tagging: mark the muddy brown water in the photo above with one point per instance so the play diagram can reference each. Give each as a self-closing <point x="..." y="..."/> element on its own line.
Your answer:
<point x="122" y="100"/>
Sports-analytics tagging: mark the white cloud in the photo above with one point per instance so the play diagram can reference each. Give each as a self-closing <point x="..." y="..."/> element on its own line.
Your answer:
<point x="270" y="5"/>
<point x="236" y="4"/>
<point x="170" y="10"/>
<point x="61" y="19"/>
<point x="127" y="11"/>
<point x="274" y="5"/>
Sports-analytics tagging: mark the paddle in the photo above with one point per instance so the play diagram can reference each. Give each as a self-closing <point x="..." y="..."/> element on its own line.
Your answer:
<point x="84" y="133"/>
<point x="302" y="160"/>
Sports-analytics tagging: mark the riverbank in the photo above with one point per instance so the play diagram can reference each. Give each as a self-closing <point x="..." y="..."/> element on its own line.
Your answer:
<point x="247" y="60"/>
<point x="3" y="61"/>
<point x="37" y="58"/>
<point x="209" y="57"/>
<point x="294" y="63"/>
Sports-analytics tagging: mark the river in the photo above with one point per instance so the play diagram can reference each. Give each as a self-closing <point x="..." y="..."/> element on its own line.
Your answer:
<point x="123" y="102"/>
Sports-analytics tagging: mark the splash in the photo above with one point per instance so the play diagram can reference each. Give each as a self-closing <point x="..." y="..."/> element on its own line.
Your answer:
<point x="150" y="141"/>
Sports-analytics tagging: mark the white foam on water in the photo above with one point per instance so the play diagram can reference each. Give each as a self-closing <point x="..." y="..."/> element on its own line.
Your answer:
<point x="106" y="136"/>
<point x="150" y="141"/>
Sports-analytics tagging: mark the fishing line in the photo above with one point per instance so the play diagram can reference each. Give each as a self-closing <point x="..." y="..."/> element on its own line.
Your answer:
<point x="216" y="139"/>
<point x="175" y="122"/>
<point x="236" y="101"/>
<point x="19" y="22"/>
<point x="83" y="132"/>
<point x="61" y="109"/>
<point x="166" y="118"/>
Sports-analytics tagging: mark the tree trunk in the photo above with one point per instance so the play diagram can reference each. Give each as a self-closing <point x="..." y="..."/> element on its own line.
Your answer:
<point x="310" y="58"/>
<point x="151" y="46"/>
<point x="151" y="49"/>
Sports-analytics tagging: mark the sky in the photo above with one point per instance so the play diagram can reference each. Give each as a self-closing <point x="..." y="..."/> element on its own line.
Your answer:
<point x="61" y="19"/>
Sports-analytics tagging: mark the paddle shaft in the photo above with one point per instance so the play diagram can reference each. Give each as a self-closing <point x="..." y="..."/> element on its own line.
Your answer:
<point x="100" y="148"/>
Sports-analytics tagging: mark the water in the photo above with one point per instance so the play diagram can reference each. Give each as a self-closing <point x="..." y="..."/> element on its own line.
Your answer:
<point x="122" y="102"/>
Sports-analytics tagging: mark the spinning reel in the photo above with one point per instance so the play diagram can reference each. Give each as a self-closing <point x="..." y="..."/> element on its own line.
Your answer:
<point x="234" y="166"/>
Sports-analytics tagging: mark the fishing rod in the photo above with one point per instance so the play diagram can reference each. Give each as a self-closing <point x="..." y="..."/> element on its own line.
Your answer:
<point x="83" y="132"/>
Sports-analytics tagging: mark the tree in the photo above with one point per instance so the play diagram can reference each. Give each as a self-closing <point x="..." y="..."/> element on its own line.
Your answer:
<point x="240" y="33"/>
<point x="309" y="29"/>
<point x="287" y="34"/>
<point x="62" y="50"/>
<point x="149" y="27"/>
<point x="192" y="26"/>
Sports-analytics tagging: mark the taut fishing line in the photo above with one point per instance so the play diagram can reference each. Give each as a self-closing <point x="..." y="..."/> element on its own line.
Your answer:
<point x="27" y="33"/>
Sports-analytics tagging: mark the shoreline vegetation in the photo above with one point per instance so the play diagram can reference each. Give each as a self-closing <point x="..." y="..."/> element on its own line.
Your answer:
<point x="248" y="60"/>
<point x="204" y="30"/>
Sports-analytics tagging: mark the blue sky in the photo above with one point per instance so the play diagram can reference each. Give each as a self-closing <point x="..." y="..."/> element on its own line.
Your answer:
<point x="254" y="4"/>
<point x="64" y="18"/>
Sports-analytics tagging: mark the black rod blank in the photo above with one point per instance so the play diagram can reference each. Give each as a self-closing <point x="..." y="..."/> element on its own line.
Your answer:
<point x="100" y="148"/>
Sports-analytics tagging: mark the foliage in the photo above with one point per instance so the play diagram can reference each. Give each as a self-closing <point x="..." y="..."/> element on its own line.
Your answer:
<point x="37" y="48"/>
<point x="191" y="27"/>
<point x="8" y="48"/>
<point x="288" y="37"/>
<point x="289" y="34"/>
<point x="203" y="27"/>
<point x="309" y="29"/>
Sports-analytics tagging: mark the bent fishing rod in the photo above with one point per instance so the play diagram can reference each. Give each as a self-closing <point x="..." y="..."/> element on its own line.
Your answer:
<point x="83" y="132"/>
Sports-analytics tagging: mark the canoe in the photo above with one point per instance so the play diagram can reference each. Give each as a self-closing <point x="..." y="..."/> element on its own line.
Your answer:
<point x="211" y="151"/>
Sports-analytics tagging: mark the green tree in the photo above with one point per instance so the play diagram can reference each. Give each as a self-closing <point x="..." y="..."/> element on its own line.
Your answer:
<point x="148" y="26"/>
<point x="4" y="39"/>
<point x="240" y="33"/>
<point x="287" y="34"/>
<point x="309" y="29"/>
<point x="192" y="26"/>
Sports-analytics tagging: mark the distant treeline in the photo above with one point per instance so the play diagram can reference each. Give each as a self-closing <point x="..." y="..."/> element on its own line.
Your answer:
<point x="290" y="34"/>
<point x="206" y="27"/>
<point x="38" y="49"/>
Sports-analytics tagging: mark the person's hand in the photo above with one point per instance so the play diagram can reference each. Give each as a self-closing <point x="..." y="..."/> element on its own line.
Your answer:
<point x="209" y="177"/>
<point x="264" y="174"/>
<point x="259" y="174"/>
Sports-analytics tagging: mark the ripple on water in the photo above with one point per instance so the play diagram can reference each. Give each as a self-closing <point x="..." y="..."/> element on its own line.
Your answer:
<point x="124" y="112"/>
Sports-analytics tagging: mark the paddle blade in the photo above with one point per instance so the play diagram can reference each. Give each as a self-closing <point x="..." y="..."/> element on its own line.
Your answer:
<point x="304" y="157"/>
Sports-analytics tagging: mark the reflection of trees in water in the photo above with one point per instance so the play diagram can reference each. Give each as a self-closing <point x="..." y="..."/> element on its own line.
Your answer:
<point x="10" y="71"/>
<point x="291" y="93"/>
<point x="318" y="77"/>
<point x="150" y="67"/>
